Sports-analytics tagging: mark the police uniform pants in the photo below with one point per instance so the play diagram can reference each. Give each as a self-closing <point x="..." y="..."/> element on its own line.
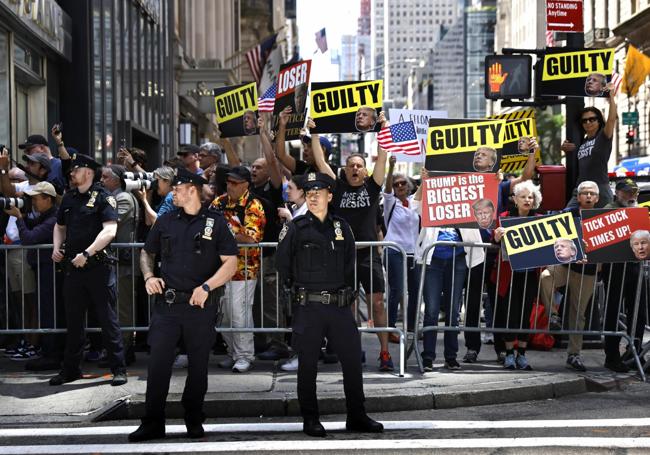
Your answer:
<point x="312" y="323"/>
<point x="82" y="289"/>
<point x="168" y="323"/>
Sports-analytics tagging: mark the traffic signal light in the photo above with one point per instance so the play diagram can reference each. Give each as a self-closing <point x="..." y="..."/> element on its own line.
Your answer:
<point x="630" y="136"/>
<point x="508" y="76"/>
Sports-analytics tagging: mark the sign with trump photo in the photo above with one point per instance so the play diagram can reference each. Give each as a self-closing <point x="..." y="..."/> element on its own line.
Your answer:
<point x="236" y="108"/>
<point x="539" y="241"/>
<point x="616" y="235"/>
<point x="293" y="82"/>
<point x="578" y="73"/>
<point x="464" y="145"/>
<point x="346" y="107"/>
<point x="521" y="129"/>
<point x="460" y="200"/>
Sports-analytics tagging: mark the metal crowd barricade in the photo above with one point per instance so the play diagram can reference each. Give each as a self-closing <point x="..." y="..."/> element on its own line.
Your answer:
<point x="600" y="305"/>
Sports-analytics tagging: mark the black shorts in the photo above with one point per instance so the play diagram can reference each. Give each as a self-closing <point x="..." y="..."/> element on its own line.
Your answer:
<point x="370" y="275"/>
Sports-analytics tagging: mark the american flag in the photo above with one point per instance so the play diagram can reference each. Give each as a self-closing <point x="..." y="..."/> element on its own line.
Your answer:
<point x="266" y="102"/>
<point x="399" y="138"/>
<point x="321" y="40"/>
<point x="258" y="55"/>
<point x="550" y="42"/>
<point x="616" y="79"/>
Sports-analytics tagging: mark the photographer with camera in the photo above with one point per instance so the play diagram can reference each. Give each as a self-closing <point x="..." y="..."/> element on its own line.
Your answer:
<point x="127" y="223"/>
<point x="36" y="228"/>
<point x="164" y="176"/>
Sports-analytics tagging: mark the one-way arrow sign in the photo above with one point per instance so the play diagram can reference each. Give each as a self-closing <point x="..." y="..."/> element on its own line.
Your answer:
<point x="564" y="16"/>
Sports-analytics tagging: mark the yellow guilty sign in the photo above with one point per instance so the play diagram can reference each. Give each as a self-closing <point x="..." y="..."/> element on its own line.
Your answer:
<point x="539" y="233"/>
<point x="465" y="137"/>
<point x="516" y="129"/>
<point x="580" y="64"/>
<point x="346" y="98"/>
<point x="233" y="103"/>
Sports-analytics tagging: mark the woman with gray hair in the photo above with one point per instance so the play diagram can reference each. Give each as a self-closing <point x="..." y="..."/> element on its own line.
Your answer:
<point x="402" y="226"/>
<point x="516" y="289"/>
<point x="164" y="176"/>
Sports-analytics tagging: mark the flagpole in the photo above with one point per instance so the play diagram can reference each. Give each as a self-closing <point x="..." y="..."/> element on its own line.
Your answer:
<point x="243" y="51"/>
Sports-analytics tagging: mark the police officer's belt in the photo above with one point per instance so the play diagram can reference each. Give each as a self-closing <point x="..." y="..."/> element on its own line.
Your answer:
<point x="172" y="296"/>
<point x="325" y="298"/>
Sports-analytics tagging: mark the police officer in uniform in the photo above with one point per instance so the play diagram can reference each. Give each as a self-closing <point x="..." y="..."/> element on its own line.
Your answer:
<point x="315" y="259"/>
<point x="87" y="223"/>
<point x="198" y="256"/>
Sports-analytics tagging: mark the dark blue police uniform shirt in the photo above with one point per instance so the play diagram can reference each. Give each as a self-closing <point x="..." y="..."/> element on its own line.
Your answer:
<point x="83" y="215"/>
<point x="190" y="246"/>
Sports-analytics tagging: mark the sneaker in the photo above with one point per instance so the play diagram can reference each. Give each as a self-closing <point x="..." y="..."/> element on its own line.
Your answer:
<point x="470" y="357"/>
<point x="501" y="357"/>
<point x="427" y="364"/>
<point x="452" y="364"/>
<point x="226" y="363"/>
<point x="30" y="353"/>
<point x="487" y="338"/>
<point x="20" y="346"/>
<point x="574" y="361"/>
<point x="616" y="366"/>
<point x="385" y="362"/>
<point x="509" y="362"/>
<point x="119" y="378"/>
<point x="522" y="363"/>
<point x="555" y="322"/>
<point x="241" y="366"/>
<point x="273" y="354"/>
<point x="180" y="361"/>
<point x="291" y="365"/>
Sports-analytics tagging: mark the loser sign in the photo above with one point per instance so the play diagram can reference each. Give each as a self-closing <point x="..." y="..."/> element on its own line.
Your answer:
<point x="564" y="16"/>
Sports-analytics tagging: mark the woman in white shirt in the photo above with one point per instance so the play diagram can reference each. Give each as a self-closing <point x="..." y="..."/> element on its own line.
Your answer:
<point x="402" y="224"/>
<point x="296" y="197"/>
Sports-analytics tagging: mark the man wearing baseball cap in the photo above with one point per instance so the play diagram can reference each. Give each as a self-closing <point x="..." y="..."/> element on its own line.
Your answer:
<point x="36" y="143"/>
<point x="189" y="153"/>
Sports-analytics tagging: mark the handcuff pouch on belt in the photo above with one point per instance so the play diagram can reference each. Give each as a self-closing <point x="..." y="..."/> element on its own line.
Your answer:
<point x="341" y="298"/>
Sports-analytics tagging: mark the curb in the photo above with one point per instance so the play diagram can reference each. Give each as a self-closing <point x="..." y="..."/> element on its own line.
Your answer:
<point x="276" y="404"/>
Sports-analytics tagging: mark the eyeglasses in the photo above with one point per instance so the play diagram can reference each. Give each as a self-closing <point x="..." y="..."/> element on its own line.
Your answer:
<point x="588" y="193"/>
<point x="589" y="120"/>
<point x="400" y="183"/>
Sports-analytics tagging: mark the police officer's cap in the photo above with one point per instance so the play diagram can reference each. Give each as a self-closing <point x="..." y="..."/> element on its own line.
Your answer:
<point x="317" y="181"/>
<point x="80" y="160"/>
<point x="185" y="176"/>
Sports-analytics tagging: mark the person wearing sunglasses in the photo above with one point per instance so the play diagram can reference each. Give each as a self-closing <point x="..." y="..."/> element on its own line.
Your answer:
<point x="595" y="148"/>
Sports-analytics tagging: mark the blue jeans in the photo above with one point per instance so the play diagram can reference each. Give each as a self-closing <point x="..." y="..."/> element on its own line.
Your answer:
<point x="393" y="261"/>
<point x="438" y="293"/>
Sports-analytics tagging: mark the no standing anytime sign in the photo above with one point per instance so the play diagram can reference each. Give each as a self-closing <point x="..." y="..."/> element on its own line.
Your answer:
<point x="564" y="16"/>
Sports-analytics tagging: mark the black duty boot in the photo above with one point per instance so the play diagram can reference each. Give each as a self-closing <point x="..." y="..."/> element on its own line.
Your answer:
<point x="312" y="427"/>
<point x="194" y="430"/>
<point x="363" y="424"/>
<point x="148" y="431"/>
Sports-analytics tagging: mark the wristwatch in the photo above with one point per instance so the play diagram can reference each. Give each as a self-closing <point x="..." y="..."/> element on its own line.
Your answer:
<point x="85" y="254"/>
<point x="205" y="287"/>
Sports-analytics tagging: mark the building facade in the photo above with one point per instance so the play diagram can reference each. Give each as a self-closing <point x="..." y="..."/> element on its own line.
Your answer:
<point x="480" y="21"/>
<point x="35" y="47"/>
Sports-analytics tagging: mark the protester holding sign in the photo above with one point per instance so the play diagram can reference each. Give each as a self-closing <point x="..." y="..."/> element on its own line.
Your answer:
<point x="513" y="307"/>
<point x="402" y="225"/>
<point x="593" y="153"/>
<point x="236" y="109"/>
<point x="444" y="278"/>
<point x="621" y="280"/>
<point x="579" y="280"/>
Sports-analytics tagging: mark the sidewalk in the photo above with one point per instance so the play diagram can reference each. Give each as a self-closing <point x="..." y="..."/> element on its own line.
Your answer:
<point x="268" y="391"/>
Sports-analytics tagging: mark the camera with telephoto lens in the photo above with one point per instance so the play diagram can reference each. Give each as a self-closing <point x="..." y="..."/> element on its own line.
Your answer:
<point x="137" y="185"/>
<point x="24" y="204"/>
<point x="139" y="175"/>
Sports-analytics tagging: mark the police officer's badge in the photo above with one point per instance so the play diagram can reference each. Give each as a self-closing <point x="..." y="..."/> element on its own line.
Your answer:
<point x="111" y="201"/>
<point x="338" y="231"/>
<point x="91" y="201"/>
<point x="207" y="230"/>
<point x="311" y="176"/>
<point x="283" y="232"/>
